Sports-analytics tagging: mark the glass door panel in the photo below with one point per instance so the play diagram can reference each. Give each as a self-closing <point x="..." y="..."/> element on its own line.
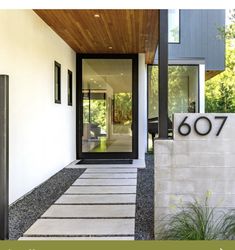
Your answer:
<point x="107" y="105"/>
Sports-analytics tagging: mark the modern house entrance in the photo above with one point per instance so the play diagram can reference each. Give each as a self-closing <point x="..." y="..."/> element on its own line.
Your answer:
<point x="123" y="69"/>
<point x="107" y="106"/>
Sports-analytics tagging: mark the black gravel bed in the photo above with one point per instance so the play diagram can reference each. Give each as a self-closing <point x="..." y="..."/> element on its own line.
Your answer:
<point x="144" y="221"/>
<point x="24" y="212"/>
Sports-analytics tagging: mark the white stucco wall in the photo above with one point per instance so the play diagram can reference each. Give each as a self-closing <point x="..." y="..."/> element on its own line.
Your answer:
<point x="42" y="133"/>
<point x="142" y="107"/>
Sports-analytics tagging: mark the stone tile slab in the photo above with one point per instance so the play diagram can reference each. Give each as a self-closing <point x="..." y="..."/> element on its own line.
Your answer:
<point x="105" y="165"/>
<point x="111" y="170"/>
<point x="93" y="182"/>
<point x="93" y="211"/>
<point x="101" y="190"/>
<point x="82" y="227"/>
<point x="80" y="199"/>
<point x="108" y="175"/>
<point x="77" y="238"/>
<point x="138" y="163"/>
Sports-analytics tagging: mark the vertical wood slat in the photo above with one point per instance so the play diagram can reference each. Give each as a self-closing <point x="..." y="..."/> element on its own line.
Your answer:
<point x="4" y="151"/>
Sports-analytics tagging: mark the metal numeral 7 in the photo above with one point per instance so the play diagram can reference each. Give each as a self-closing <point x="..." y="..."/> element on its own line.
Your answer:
<point x="223" y="118"/>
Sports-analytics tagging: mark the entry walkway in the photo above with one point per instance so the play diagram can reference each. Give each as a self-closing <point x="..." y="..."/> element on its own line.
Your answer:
<point x="100" y="205"/>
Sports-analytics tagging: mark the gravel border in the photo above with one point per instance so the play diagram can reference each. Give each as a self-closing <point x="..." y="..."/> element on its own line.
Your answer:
<point x="24" y="212"/>
<point x="144" y="221"/>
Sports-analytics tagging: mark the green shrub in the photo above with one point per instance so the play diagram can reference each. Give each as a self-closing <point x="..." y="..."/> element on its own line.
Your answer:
<point x="198" y="222"/>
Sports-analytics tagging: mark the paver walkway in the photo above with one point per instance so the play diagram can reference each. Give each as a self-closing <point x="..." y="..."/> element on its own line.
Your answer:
<point x="100" y="205"/>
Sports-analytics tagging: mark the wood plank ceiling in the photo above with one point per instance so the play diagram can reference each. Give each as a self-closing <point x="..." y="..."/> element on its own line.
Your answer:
<point x="106" y="31"/>
<point x="212" y="73"/>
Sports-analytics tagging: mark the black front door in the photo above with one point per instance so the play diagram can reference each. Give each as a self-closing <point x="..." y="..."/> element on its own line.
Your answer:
<point x="107" y="106"/>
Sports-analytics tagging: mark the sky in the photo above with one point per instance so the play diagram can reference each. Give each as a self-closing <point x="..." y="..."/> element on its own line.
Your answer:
<point x="227" y="17"/>
<point x="104" y="4"/>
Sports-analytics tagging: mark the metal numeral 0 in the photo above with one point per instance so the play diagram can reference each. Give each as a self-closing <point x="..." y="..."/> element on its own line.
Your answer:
<point x="184" y="124"/>
<point x="209" y="128"/>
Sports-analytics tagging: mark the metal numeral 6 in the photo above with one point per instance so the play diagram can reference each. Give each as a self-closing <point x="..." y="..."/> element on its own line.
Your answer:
<point x="184" y="124"/>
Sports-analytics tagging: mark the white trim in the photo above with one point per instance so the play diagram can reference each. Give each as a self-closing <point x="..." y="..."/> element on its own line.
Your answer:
<point x="201" y="88"/>
<point x="188" y="61"/>
<point x="142" y="106"/>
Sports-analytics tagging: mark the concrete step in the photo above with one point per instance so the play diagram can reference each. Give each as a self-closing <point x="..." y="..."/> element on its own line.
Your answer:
<point x="95" y="182"/>
<point x="111" y="170"/>
<point x="108" y="175"/>
<point x="78" y="238"/>
<point x="90" y="211"/>
<point x="82" y="227"/>
<point x="98" y="199"/>
<point x="101" y="190"/>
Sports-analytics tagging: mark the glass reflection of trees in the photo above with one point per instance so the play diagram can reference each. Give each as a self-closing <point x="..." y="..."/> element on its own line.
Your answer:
<point x="179" y="99"/>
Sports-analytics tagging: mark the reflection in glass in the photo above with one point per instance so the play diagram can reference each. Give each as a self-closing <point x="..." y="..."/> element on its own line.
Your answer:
<point x="173" y="26"/>
<point x="107" y="105"/>
<point x="182" y="91"/>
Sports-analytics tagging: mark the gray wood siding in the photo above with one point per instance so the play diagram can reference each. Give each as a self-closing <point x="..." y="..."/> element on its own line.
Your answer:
<point x="199" y="38"/>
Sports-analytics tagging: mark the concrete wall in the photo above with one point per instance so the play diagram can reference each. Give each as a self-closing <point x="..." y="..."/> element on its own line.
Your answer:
<point x="42" y="133"/>
<point x="188" y="167"/>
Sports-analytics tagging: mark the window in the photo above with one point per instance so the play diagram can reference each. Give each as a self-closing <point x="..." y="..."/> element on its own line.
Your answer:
<point x="174" y="26"/>
<point x="57" y="82"/>
<point x="183" y="90"/>
<point x="70" y="88"/>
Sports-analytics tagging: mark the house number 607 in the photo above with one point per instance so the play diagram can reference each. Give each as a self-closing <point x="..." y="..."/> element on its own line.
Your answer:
<point x="188" y="129"/>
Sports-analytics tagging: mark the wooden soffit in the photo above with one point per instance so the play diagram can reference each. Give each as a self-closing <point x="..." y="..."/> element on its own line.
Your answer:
<point x="211" y="73"/>
<point x="106" y="31"/>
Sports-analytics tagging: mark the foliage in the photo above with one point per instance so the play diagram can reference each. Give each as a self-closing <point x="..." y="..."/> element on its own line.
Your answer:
<point x="98" y="110"/>
<point x="174" y="34"/>
<point x="122" y="108"/>
<point x="220" y="90"/>
<point x="198" y="222"/>
<point x="178" y="89"/>
<point x="152" y="91"/>
<point x="229" y="31"/>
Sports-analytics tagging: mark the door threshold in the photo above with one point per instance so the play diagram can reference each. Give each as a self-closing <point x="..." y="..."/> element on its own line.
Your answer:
<point x="104" y="161"/>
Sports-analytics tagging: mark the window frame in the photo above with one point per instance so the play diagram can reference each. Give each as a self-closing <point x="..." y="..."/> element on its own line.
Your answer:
<point x="70" y="87"/>
<point x="135" y="108"/>
<point x="57" y="99"/>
